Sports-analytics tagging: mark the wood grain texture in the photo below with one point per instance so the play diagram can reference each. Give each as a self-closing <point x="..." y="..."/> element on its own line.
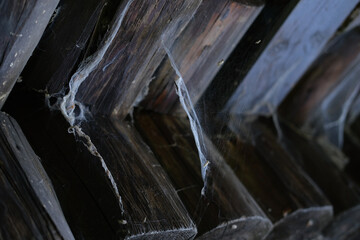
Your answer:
<point x="324" y="76"/>
<point x="341" y="191"/>
<point x="283" y="189"/>
<point x="152" y="209"/>
<point x="29" y="206"/>
<point x="118" y="81"/>
<point x="225" y="209"/>
<point x="59" y="52"/>
<point x="294" y="47"/>
<point x="199" y="52"/>
<point x="22" y="24"/>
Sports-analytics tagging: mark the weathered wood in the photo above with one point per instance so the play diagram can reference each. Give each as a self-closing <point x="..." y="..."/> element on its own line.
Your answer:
<point x="59" y="52"/>
<point x="152" y="209"/>
<point x="141" y="29"/>
<point x="322" y="99"/>
<point x="291" y="51"/>
<point x="346" y="226"/>
<point x="281" y="187"/>
<point x="199" y="52"/>
<point x="29" y="207"/>
<point x="339" y="189"/>
<point x="80" y="190"/>
<point x="225" y="210"/>
<point x="22" y="24"/>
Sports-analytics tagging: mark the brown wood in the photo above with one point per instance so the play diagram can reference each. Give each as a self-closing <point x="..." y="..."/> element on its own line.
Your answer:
<point x="22" y="25"/>
<point x="342" y="192"/>
<point x="281" y="187"/>
<point x="321" y="101"/>
<point x="291" y="51"/>
<point x="199" y="52"/>
<point x="118" y="81"/>
<point x="58" y="52"/>
<point x="29" y="208"/>
<point x="226" y="210"/>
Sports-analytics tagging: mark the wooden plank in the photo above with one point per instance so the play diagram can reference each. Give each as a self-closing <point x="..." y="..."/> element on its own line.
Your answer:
<point x="152" y="209"/>
<point x="63" y="159"/>
<point x="321" y="101"/>
<point x="223" y="209"/>
<point x="200" y="51"/>
<point x="341" y="191"/>
<point x="283" y="189"/>
<point x="151" y="206"/>
<point x="22" y="24"/>
<point x="125" y="61"/>
<point x="294" y="47"/>
<point x="60" y="51"/>
<point x="29" y="206"/>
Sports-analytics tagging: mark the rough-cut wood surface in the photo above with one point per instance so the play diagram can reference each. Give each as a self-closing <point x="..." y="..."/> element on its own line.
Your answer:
<point x="59" y="52"/>
<point x="29" y="208"/>
<point x="120" y="78"/>
<point x="22" y="23"/>
<point x="324" y="96"/>
<point x="342" y="192"/>
<point x="291" y="51"/>
<point x="152" y="209"/>
<point x="226" y="210"/>
<point x="200" y="51"/>
<point x="277" y="182"/>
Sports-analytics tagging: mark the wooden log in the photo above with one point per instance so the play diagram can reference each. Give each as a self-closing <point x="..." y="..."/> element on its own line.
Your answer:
<point x="341" y="191"/>
<point x="152" y="209"/>
<point x="120" y="70"/>
<point x="291" y="51"/>
<point x="200" y="51"/>
<point x="281" y="187"/>
<point x="345" y="226"/>
<point x="321" y="101"/>
<point x="29" y="208"/>
<point x="22" y="24"/>
<point x="81" y="190"/>
<point x="66" y="42"/>
<point x="225" y="210"/>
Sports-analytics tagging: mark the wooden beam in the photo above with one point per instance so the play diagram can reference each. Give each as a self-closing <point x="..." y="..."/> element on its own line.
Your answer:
<point x="200" y="52"/>
<point x="222" y="208"/>
<point x="283" y="189"/>
<point x="291" y="51"/>
<point x="321" y="101"/>
<point x="29" y="206"/>
<point x="22" y="25"/>
<point x="59" y="53"/>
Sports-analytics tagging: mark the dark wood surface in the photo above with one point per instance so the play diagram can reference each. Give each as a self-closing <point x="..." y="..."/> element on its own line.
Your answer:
<point x="22" y="23"/>
<point x="284" y="190"/>
<point x="291" y="51"/>
<point x="29" y="206"/>
<point x="327" y="92"/>
<point x="59" y="53"/>
<point x="118" y="81"/>
<point x="200" y="52"/>
<point x="225" y="209"/>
